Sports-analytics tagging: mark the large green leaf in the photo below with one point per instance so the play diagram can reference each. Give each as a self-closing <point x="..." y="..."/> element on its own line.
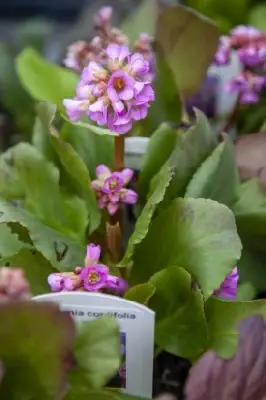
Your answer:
<point x="36" y="268"/>
<point x="84" y="392"/>
<point x="180" y="322"/>
<point x="222" y="319"/>
<point x="39" y="177"/>
<point x="34" y="339"/>
<point x="189" y="41"/>
<point x="93" y="149"/>
<point x="144" y="220"/>
<point x="196" y="234"/>
<point x="192" y="148"/>
<point x="44" y="80"/>
<point x="89" y="126"/>
<point x="217" y="178"/>
<point x="63" y="252"/>
<point x="9" y="242"/>
<point x="97" y="351"/>
<point x="257" y="17"/>
<point x="160" y="147"/>
<point x="77" y="170"/>
<point x="140" y="293"/>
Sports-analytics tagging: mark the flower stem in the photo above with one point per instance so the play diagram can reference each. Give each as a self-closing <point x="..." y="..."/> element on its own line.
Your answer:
<point x="117" y="218"/>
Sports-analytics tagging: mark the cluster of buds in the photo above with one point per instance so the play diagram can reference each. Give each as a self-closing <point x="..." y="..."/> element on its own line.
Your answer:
<point x="93" y="277"/>
<point x="13" y="284"/>
<point x="80" y="53"/>
<point x="249" y="44"/>
<point x="110" y="188"/>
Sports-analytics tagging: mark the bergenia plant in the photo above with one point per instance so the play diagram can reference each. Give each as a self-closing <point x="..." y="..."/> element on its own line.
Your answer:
<point x="65" y="196"/>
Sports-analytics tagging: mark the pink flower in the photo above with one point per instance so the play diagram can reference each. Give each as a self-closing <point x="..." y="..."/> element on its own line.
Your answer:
<point x="118" y="90"/>
<point x="93" y="254"/>
<point x="248" y="85"/>
<point x="13" y="284"/>
<point x="94" y="277"/>
<point x="110" y="190"/>
<point x="64" y="281"/>
<point x="228" y="289"/>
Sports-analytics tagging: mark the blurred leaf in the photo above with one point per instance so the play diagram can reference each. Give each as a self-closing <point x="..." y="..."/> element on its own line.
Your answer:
<point x="44" y="80"/>
<point x="181" y="30"/>
<point x="217" y="178"/>
<point x="10" y="184"/>
<point x="250" y="156"/>
<point x="141" y="293"/>
<point x="250" y="209"/>
<point x="142" y="20"/>
<point x="242" y="377"/>
<point x="252" y="267"/>
<point x="192" y="148"/>
<point x="36" y="268"/>
<point x="160" y="147"/>
<point x="13" y="96"/>
<point x="63" y="252"/>
<point x="84" y="392"/>
<point x="39" y="337"/>
<point x="9" y="243"/>
<point x="40" y="137"/>
<point x="97" y="351"/>
<point x="34" y="33"/>
<point x="180" y="322"/>
<point x="222" y="319"/>
<point x="143" y="222"/>
<point x="196" y="234"/>
<point x="246" y="291"/>
<point x="257" y="16"/>
<point x="77" y="170"/>
<point x="93" y="149"/>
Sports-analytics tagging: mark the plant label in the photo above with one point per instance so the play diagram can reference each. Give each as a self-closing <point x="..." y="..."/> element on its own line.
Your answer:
<point x="136" y="334"/>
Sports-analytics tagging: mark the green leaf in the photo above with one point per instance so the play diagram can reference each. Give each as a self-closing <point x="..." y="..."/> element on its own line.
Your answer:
<point x="250" y="214"/>
<point x="140" y="293"/>
<point x="38" y="338"/>
<point x="142" y="20"/>
<point x="10" y="184"/>
<point x="97" y="351"/>
<point x="159" y="149"/>
<point x="180" y="322"/>
<point x="44" y="80"/>
<point x="63" y="252"/>
<point x="76" y="168"/>
<point x="93" y="149"/>
<point x="196" y="234"/>
<point x="252" y="267"/>
<point x="181" y="30"/>
<point x="40" y="177"/>
<point x="13" y="96"/>
<point x="89" y="126"/>
<point x="144" y="220"/>
<point x="9" y="243"/>
<point x="222" y="319"/>
<point x="40" y="137"/>
<point x="36" y="268"/>
<point x="257" y="17"/>
<point x="192" y="148"/>
<point x="217" y="178"/>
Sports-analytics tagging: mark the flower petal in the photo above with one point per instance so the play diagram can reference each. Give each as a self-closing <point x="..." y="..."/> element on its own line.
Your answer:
<point x="102" y="172"/>
<point x="128" y="196"/>
<point x="112" y="208"/>
<point x="127" y="175"/>
<point x="93" y="254"/>
<point x="127" y="93"/>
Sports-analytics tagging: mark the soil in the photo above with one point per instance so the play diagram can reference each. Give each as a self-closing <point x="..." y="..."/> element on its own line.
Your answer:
<point x="169" y="375"/>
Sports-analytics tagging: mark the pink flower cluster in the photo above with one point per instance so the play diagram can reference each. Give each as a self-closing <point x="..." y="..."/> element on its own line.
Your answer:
<point x="228" y="288"/>
<point x="250" y="45"/>
<point x="114" y="94"/>
<point x="93" y="277"/>
<point x="80" y="53"/>
<point x="110" y="190"/>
